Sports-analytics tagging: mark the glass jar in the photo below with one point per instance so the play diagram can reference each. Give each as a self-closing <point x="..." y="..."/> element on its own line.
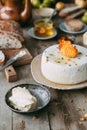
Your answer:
<point x="43" y="28"/>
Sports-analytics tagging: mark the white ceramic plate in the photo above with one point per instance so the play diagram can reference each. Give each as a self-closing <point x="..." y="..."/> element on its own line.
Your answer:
<point x="31" y="33"/>
<point x="64" y="29"/>
<point x="41" y="93"/>
<point x="43" y="12"/>
<point x="38" y="77"/>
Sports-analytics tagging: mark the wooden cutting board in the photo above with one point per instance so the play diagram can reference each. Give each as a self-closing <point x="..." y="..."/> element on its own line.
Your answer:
<point x="10" y="73"/>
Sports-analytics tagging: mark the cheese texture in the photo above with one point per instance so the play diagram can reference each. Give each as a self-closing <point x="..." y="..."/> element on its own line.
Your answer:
<point x="22" y="99"/>
<point x="85" y="39"/>
<point x="59" y="69"/>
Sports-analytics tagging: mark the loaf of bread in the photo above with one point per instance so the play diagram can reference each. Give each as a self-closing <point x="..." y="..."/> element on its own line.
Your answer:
<point x="74" y="24"/>
<point x="12" y="28"/>
<point x="2" y="58"/>
<point x="8" y="41"/>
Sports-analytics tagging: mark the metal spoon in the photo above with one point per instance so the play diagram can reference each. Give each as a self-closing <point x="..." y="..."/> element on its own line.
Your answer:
<point x="51" y="16"/>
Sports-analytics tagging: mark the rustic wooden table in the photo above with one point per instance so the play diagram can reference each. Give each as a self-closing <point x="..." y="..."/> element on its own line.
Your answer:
<point x="66" y="108"/>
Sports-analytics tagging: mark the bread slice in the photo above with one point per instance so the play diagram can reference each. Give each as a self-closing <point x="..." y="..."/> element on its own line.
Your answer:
<point x="9" y="42"/>
<point x="2" y="58"/>
<point x="68" y="10"/>
<point x="13" y="28"/>
<point x="75" y="14"/>
<point x="74" y="24"/>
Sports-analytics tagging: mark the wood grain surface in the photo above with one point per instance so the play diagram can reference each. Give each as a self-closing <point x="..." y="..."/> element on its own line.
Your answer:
<point x="66" y="108"/>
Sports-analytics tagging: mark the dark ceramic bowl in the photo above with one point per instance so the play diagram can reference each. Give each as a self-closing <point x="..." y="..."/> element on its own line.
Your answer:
<point x="41" y="93"/>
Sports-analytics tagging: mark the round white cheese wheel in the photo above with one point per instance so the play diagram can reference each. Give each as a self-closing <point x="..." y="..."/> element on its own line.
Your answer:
<point x="59" y="69"/>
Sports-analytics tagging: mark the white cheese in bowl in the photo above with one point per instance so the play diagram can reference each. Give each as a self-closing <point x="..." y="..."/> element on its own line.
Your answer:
<point x="22" y="99"/>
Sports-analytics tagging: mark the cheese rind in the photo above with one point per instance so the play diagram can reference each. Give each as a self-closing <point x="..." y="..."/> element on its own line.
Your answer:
<point x="59" y="69"/>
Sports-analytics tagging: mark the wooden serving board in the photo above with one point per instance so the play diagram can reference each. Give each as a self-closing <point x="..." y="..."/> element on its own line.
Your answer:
<point x="10" y="72"/>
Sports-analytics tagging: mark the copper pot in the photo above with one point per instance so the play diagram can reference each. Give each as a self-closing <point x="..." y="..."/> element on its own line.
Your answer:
<point x="18" y="10"/>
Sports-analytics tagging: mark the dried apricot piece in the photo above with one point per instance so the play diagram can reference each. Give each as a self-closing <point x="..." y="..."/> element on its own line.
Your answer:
<point x="69" y="51"/>
<point x="63" y="42"/>
<point x="42" y="30"/>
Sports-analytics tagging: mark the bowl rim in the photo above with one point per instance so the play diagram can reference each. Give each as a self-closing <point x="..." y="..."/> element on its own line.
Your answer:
<point x="26" y="85"/>
<point x="41" y="10"/>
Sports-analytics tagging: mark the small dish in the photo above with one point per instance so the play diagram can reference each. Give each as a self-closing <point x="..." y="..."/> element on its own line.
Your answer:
<point x="62" y="27"/>
<point x="43" y="12"/>
<point x="41" y="93"/>
<point x="39" y="78"/>
<point x="31" y="33"/>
